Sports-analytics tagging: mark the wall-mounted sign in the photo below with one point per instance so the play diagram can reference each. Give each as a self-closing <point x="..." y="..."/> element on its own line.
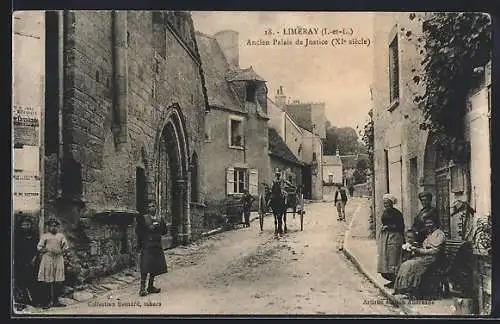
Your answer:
<point x="26" y="125"/>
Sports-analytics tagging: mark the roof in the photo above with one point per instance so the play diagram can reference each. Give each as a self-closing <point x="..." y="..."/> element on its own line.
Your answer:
<point x="350" y="161"/>
<point x="279" y="149"/>
<point x="244" y="75"/>
<point x="301" y="114"/>
<point x="332" y="160"/>
<point x="215" y="68"/>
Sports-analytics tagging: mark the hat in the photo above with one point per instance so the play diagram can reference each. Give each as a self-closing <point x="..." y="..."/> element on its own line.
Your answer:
<point x="52" y="221"/>
<point x="390" y="197"/>
<point x="425" y="194"/>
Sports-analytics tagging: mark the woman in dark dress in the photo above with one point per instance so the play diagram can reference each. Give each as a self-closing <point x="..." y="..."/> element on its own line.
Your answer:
<point x="391" y="240"/>
<point x="152" y="261"/>
<point x="25" y="252"/>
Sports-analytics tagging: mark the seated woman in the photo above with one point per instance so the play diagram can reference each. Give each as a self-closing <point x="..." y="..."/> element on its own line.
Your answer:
<point x="410" y="277"/>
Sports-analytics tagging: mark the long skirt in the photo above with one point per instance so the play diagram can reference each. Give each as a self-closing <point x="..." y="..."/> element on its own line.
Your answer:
<point x="51" y="268"/>
<point x="389" y="255"/>
<point x="152" y="261"/>
<point x="409" y="277"/>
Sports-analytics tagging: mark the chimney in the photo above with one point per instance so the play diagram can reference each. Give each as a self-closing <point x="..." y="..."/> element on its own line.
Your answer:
<point x="229" y="44"/>
<point x="280" y="98"/>
<point x="337" y="152"/>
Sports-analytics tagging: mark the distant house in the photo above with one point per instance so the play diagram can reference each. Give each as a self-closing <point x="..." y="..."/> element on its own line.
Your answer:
<point x="332" y="169"/>
<point x="235" y="154"/>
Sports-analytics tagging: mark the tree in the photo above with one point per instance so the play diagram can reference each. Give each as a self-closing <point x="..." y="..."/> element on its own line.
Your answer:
<point x="368" y="138"/>
<point x="345" y="139"/>
<point x="454" y="46"/>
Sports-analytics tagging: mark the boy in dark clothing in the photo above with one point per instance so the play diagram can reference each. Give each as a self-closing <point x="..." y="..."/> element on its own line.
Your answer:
<point x="340" y="201"/>
<point x="149" y="231"/>
<point x="247" y="201"/>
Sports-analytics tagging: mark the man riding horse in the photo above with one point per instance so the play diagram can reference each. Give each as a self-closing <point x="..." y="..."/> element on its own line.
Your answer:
<point x="278" y="201"/>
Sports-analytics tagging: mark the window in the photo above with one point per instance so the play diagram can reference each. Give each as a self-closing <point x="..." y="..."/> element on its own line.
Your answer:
<point x="330" y="178"/>
<point x="251" y="92"/>
<point x="239" y="179"/>
<point x="393" y="71"/>
<point x="314" y="156"/>
<point x="235" y="180"/>
<point x="236" y="132"/>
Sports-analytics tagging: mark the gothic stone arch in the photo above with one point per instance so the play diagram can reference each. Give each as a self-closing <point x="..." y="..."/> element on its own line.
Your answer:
<point x="171" y="176"/>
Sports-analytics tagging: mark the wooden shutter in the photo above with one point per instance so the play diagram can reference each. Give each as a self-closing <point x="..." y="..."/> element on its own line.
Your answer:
<point x="230" y="181"/>
<point x="253" y="182"/>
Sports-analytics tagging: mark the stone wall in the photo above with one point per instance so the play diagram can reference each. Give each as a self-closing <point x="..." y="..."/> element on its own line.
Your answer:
<point x="99" y="169"/>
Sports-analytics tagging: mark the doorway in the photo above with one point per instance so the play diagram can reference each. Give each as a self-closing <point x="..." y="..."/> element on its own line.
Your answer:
<point x="170" y="194"/>
<point x="307" y="181"/>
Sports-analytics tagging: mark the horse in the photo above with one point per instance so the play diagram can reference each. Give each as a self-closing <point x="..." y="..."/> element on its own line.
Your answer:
<point x="278" y="203"/>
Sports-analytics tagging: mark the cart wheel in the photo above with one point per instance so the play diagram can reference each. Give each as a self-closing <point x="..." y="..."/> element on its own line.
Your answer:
<point x="261" y="221"/>
<point x="301" y="220"/>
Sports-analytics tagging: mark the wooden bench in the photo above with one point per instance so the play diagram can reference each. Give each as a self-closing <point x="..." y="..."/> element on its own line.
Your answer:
<point x="455" y="269"/>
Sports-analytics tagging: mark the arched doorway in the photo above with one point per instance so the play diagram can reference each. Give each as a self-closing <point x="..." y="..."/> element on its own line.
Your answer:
<point x="172" y="178"/>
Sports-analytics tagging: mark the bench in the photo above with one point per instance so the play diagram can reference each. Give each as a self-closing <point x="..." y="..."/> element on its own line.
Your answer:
<point x="455" y="270"/>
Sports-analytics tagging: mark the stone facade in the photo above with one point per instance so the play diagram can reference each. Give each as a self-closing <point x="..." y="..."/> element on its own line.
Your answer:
<point x="236" y="140"/>
<point x="406" y="160"/>
<point x="122" y="99"/>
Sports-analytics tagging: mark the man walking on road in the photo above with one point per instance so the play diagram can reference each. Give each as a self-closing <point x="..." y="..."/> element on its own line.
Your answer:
<point x="340" y="200"/>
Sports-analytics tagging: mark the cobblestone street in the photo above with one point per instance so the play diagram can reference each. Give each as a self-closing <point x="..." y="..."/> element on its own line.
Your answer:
<point x="250" y="272"/>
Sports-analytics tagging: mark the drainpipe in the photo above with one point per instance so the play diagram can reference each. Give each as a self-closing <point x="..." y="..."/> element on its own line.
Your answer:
<point x="62" y="21"/>
<point x="120" y="75"/>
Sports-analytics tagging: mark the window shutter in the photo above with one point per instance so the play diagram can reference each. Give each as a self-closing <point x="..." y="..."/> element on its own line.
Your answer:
<point x="253" y="182"/>
<point x="230" y="181"/>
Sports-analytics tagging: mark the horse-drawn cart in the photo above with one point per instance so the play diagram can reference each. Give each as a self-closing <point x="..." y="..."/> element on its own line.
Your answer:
<point x="294" y="200"/>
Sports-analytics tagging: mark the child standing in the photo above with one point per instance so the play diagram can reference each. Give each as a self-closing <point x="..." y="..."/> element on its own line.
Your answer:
<point x="51" y="246"/>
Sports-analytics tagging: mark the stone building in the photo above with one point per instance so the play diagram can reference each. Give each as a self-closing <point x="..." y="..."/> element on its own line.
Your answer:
<point x="332" y="174"/>
<point x="406" y="159"/>
<point x="291" y="135"/>
<point x="310" y="119"/>
<point x="124" y="117"/>
<point x="235" y="153"/>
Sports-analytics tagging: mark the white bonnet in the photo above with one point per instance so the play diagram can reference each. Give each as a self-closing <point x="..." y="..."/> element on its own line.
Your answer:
<point x="390" y="197"/>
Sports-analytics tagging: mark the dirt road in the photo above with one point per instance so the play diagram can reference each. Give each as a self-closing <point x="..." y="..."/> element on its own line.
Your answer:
<point x="251" y="272"/>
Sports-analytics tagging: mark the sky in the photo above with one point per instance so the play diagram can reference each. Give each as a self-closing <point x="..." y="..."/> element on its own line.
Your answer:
<point x="338" y="75"/>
